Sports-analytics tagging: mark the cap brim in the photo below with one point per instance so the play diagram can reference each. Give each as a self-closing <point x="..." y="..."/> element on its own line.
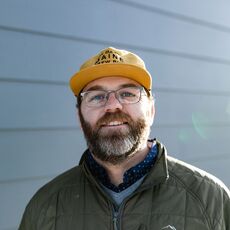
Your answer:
<point x="83" y="77"/>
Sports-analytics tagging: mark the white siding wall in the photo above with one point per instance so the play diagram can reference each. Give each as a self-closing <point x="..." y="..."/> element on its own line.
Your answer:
<point x="186" y="46"/>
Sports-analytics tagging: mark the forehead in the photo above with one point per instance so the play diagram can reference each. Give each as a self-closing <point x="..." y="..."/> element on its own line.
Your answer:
<point x="110" y="83"/>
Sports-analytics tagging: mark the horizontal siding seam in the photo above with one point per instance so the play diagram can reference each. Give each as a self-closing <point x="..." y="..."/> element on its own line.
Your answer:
<point x="158" y="126"/>
<point x="27" y="179"/>
<point x="38" y="129"/>
<point x="174" y="15"/>
<point x="180" y="54"/>
<point x="155" y="89"/>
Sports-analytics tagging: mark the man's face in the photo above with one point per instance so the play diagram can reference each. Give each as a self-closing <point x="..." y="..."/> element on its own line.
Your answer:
<point x="116" y="131"/>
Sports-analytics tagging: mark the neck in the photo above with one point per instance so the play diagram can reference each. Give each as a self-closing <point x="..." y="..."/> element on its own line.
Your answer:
<point x="116" y="172"/>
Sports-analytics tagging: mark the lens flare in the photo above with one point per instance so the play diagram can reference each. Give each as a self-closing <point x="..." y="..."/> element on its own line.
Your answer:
<point x="199" y="120"/>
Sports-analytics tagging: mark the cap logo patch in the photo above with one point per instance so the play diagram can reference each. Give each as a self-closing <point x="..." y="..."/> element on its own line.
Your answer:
<point x="108" y="56"/>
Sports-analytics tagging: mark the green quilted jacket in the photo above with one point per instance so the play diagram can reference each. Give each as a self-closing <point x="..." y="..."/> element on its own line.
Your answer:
<point x="173" y="196"/>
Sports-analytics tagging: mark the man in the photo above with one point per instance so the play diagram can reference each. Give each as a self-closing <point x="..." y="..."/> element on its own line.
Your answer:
<point x="125" y="180"/>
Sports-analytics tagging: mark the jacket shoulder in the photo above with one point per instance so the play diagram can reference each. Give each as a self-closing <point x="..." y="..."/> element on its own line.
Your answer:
<point x="193" y="177"/>
<point x="69" y="178"/>
<point x="47" y="196"/>
<point x="209" y="192"/>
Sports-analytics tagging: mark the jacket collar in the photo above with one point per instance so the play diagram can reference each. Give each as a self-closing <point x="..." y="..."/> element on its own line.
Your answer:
<point x="158" y="174"/>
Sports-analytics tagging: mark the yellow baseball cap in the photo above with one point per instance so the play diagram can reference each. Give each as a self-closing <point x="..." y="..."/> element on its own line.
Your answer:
<point x="111" y="62"/>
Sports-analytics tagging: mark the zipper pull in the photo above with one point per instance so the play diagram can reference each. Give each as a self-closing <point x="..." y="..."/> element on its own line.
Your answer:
<point x="115" y="223"/>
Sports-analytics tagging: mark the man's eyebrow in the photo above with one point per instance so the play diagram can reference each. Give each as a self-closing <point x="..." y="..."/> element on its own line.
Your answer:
<point x="95" y="87"/>
<point x="128" y="85"/>
<point x="99" y="87"/>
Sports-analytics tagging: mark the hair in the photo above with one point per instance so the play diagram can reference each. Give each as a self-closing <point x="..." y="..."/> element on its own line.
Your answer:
<point x="78" y="104"/>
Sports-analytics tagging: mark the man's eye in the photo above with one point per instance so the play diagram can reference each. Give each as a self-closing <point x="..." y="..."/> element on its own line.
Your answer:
<point x="127" y="94"/>
<point x="96" y="98"/>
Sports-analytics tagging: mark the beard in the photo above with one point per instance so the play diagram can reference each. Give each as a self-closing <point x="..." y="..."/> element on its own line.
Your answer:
<point x="117" y="145"/>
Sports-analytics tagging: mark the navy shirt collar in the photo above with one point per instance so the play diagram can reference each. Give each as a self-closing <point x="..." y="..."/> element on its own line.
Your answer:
<point x="130" y="176"/>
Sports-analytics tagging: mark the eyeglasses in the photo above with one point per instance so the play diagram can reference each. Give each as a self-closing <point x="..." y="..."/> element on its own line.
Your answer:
<point x="126" y="95"/>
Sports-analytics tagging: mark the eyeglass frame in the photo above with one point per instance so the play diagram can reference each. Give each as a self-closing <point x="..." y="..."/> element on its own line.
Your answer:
<point x="108" y="92"/>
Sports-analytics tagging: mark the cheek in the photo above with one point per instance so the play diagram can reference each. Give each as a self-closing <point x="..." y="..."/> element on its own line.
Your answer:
<point x="138" y="112"/>
<point x="89" y="115"/>
<point x="148" y="111"/>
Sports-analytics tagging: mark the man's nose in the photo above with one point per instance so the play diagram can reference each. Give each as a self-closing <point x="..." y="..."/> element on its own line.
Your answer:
<point x="112" y="103"/>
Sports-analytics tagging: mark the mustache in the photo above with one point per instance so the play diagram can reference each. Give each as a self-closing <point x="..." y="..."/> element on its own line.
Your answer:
<point x="115" y="116"/>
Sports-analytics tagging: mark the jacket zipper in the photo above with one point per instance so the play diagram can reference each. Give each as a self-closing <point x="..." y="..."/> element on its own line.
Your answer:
<point x="117" y="213"/>
<point x="115" y="221"/>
